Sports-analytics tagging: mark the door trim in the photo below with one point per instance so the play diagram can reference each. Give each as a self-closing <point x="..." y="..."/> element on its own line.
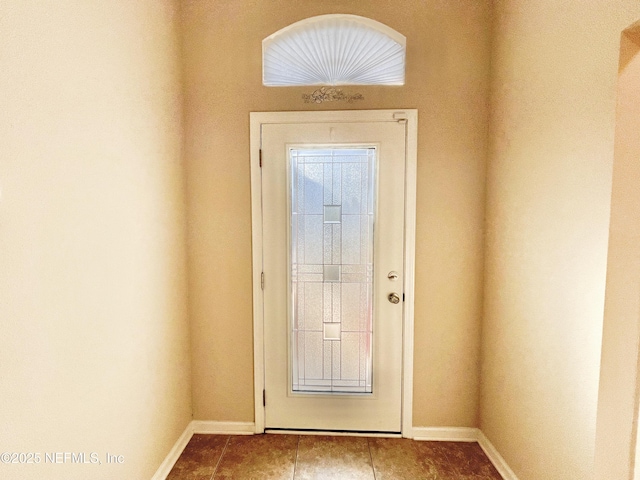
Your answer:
<point x="257" y="119"/>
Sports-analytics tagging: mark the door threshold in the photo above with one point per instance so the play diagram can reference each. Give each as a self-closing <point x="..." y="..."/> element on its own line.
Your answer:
<point x="333" y="433"/>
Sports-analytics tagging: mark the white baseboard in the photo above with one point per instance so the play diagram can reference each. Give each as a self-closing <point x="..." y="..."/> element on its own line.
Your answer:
<point x="445" y="434"/>
<point x="173" y="455"/>
<point x="224" y="428"/>
<point x="496" y="458"/>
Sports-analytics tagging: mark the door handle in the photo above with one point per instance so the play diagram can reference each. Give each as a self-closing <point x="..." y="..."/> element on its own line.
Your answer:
<point x="394" y="298"/>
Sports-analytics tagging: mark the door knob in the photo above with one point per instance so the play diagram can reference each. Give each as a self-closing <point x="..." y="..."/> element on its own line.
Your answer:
<point x="394" y="298"/>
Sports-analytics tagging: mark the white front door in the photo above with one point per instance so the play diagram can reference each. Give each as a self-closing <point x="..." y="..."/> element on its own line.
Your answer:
<point x="333" y="212"/>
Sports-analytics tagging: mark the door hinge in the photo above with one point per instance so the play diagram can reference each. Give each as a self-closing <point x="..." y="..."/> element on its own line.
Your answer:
<point x="262" y="280"/>
<point x="260" y="158"/>
<point x="264" y="398"/>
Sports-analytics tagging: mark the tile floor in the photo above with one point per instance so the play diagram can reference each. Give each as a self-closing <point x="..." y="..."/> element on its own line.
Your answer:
<point x="306" y="457"/>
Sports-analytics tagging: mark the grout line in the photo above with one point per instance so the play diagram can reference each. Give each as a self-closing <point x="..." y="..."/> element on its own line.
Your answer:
<point x="373" y="469"/>
<point x="224" y="450"/>
<point x="295" y="462"/>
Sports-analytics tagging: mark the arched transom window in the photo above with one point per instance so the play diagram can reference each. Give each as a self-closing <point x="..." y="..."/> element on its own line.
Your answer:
<point x="334" y="50"/>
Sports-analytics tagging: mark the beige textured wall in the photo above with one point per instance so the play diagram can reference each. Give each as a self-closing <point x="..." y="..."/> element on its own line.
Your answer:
<point x="94" y="347"/>
<point x="554" y="68"/>
<point x="617" y="401"/>
<point x="447" y="80"/>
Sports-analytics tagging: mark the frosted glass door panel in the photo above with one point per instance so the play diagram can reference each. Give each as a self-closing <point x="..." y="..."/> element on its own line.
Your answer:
<point x="332" y="218"/>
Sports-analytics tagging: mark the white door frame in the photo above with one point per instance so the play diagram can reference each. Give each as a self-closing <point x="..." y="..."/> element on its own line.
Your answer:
<point x="410" y="117"/>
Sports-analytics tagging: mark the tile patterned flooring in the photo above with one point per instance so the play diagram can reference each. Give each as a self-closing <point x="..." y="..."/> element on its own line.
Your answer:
<point x="307" y="457"/>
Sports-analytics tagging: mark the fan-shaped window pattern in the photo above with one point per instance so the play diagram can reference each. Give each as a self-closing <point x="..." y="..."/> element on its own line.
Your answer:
<point x="334" y="50"/>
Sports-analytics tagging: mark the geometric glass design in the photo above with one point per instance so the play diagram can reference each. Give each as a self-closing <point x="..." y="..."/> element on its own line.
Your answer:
<point x="334" y="49"/>
<point x="331" y="272"/>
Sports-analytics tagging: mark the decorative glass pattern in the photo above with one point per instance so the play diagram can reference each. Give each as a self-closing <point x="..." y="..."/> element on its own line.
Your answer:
<point x="332" y="218"/>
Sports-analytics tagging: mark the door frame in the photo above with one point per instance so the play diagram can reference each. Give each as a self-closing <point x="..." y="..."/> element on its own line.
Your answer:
<point x="410" y="118"/>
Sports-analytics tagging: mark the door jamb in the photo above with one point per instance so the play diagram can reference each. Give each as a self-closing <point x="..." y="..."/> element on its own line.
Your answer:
<point x="410" y="117"/>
